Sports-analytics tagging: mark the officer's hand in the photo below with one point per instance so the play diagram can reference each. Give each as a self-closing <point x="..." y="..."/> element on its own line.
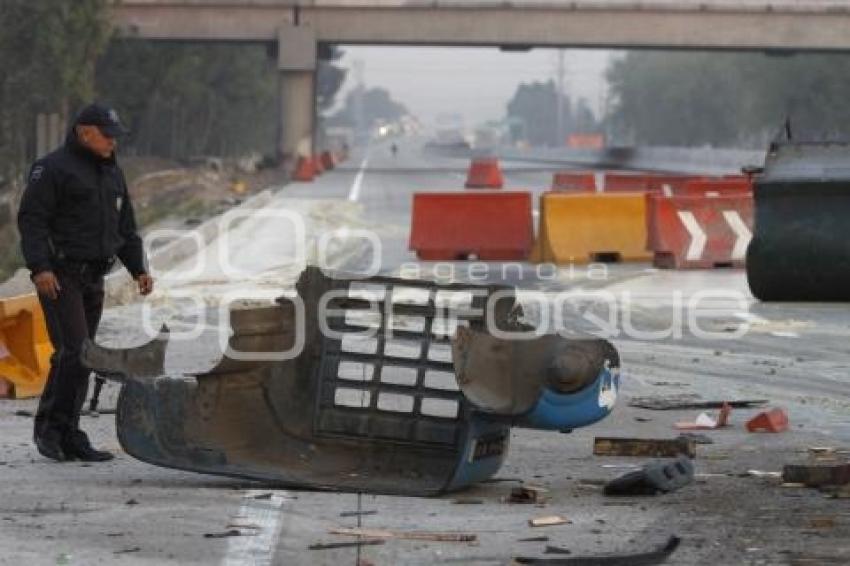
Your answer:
<point x="47" y="284"/>
<point x="145" y="282"/>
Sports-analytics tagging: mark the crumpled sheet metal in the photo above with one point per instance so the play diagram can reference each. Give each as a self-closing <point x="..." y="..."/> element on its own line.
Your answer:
<point x="281" y="421"/>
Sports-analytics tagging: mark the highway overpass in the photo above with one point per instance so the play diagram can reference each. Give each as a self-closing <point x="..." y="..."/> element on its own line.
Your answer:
<point x="299" y="26"/>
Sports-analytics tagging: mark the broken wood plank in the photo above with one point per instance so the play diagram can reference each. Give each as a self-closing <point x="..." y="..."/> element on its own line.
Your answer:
<point x="645" y="447"/>
<point x="527" y="494"/>
<point x="548" y="521"/>
<point x="690" y="401"/>
<point x="358" y="513"/>
<point x="468" y="501"/>
<point x="817" y="475"/>
<point x="406" y="535"/>
<point x="346" y="544"/>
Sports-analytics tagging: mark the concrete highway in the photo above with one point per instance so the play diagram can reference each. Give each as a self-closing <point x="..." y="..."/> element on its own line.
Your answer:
<point x="794" y="355"/>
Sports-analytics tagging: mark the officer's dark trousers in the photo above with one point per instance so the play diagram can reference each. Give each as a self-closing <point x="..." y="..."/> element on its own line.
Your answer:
<point x="71" y="317"/>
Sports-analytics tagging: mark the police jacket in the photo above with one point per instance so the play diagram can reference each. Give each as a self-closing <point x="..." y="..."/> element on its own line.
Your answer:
<point x="76" y="207"/>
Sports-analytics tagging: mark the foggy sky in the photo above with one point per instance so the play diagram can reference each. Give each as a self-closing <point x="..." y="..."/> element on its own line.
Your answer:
<point x="476" y="82"/>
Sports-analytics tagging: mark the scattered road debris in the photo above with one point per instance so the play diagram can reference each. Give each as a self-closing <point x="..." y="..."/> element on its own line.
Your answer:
<point x="644" y="447"/>
<point x="358" y="513"/>
<point x="347" y="544"/>
<point x="250" y="526"/>
<point x="658" y="556"/>
<point x="468" y="501"/>
<point x="655" y="477"/>
<point x="690" y="401"/>
<point x="128" y="550"/>
<point x="837" y="492"/>
<point x="817" y="475"/>
<point x="23" y="413"/>
<point x="826" y="452"/>
<point x="131" y="502"/>
<point x="534" y="539"/>
<point x="556" y="550"/>
<point x="549" y="521"/>
<point x="822" y="522"/>
<point x="225" y="534"/>
<point x="697" y="438"/>
<point x="405" y="535"/>
<point x="774" y="420"/>
<point x="527" y="494"/>
<point x="705" y="422"/>
<point x="761" y="474"/>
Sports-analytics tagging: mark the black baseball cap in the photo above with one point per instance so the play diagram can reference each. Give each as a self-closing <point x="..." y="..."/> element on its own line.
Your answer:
<point x="104" y="117"/>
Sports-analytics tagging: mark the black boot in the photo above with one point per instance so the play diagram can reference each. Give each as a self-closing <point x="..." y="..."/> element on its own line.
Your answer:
<point x="77" y="445"/>
<point x="49" y="445"/>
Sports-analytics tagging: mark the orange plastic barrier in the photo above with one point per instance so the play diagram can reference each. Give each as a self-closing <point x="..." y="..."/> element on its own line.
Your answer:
<point x="484" y="173"/>
<point x="579" y="227"/>
<point x="584" y="181"/>
<point x="667" y="184"/>
<point x="717" y="186"/>
<point x="305" y="171"/>
<point x="328" y="161"/>
<point x="698" y="232"/>
<point x="490" y="226"/>
<point x="628" y="182"/>
<point x="587" y="141"/>
<point x="25" y="347"/>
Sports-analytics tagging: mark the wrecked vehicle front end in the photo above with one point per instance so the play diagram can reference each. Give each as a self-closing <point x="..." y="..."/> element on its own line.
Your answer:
<point x="393" y="386"/>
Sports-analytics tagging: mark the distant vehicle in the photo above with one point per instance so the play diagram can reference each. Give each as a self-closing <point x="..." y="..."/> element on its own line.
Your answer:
<point x="394" y="149"/>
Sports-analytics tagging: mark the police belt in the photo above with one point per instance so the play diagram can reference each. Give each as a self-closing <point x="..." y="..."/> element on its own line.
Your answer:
<point x="95" y="267"/>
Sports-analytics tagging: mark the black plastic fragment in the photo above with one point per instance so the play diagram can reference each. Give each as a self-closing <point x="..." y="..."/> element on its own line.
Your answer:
<point x="656" y="477"/>
<point x="658" y="556"/>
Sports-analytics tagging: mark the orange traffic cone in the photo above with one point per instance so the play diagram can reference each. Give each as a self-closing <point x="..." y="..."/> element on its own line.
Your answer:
<point x="484" y="174"/>
<point x="304" y="170"/>
<point x="774" y="420"/>
<point x="328" y="161"/>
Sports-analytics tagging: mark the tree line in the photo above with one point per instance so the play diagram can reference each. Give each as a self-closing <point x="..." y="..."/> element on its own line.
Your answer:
<point x="178" y="99"/>
<point x="727" y="99"/>
<point x="686" y="98"/>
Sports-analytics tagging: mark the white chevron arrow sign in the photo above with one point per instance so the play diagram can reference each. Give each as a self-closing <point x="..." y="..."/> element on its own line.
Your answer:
<point x="698" y="237"/>
<point x="742" y="233"/>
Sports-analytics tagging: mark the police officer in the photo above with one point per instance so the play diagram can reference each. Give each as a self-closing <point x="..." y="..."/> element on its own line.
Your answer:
<point x="75" y="219"/>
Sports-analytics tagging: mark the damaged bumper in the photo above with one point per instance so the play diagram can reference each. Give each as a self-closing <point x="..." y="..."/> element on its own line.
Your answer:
<point x="394" y="386"/>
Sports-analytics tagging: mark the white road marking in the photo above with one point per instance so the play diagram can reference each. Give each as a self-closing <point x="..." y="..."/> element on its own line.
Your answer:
<point x="756" y="319"/>
<point x="257" y="546"/>
<point x="354" y="193"/>
<point x="784" y="334"/>
<point x="750" y="317"/>
<point x="742" y="233"/>
<point x="698" y="237"/>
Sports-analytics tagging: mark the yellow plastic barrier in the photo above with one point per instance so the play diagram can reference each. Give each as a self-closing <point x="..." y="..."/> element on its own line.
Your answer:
<point x="579" y="228"/>
<point x="25" y="347"/>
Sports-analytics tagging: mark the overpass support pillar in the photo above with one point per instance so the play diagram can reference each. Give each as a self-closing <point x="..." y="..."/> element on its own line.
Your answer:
<point x="297" y="76"/>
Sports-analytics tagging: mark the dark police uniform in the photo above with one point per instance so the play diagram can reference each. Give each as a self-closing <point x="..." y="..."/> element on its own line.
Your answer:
<point x="75" y="219"/>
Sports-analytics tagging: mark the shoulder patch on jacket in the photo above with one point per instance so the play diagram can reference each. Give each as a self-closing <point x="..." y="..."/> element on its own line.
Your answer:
<point x="35" y="175"/>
